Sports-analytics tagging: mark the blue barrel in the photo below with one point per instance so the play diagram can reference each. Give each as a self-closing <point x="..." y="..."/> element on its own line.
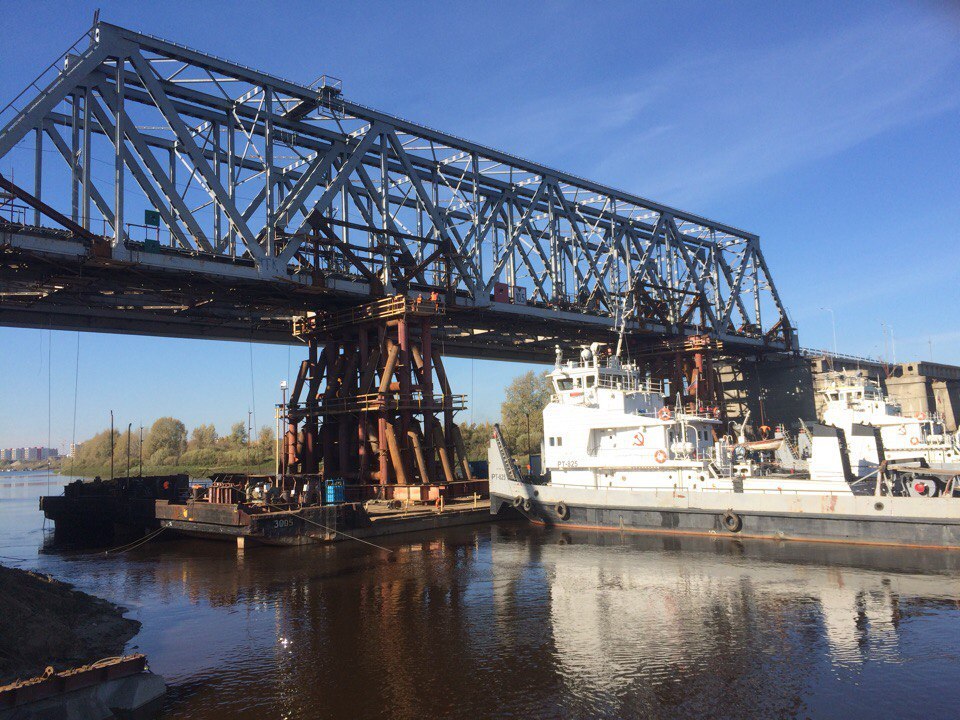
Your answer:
<point x="334" y="492"/>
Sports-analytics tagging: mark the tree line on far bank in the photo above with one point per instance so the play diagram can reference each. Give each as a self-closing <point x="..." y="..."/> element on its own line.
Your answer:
<point x="168" y="445"/>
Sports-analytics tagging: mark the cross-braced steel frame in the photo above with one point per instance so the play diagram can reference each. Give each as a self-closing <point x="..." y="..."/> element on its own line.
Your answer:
<point x="253" y="176"/>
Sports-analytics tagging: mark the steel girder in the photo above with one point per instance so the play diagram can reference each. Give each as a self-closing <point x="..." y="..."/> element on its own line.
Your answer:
<point x="244" y="167"/>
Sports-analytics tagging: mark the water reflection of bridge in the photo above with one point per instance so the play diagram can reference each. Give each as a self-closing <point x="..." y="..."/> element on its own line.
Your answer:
<point x="514" y="621"/>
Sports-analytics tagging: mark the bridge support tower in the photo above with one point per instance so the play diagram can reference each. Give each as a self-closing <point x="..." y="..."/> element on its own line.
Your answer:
<point x="372" y="405"/>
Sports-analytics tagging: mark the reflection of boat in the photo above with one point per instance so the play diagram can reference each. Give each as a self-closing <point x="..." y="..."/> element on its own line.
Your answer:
<point x="636" y="611"/>
<point x="618" y="456"/>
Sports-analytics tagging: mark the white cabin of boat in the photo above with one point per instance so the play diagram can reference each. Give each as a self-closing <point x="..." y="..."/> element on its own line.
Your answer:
<point x="855" y="398"/>
<point x="609" y="426"/>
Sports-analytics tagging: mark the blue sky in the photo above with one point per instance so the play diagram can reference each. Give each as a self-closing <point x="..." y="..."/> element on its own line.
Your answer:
<point x="832" y="130"/>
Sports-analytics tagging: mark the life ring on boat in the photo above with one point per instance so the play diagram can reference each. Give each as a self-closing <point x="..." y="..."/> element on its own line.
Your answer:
<point x="563" y="512"/>
<point x="527" y="505"/>
<point x="660" y="456"/>
<point x="921" y="416"/>
<point x="914" y="440"/>
<point x="764" y="432"/>
<point x="902" y="430"/>
<point x="664" y="413"/>
<point x="517" y="501"/>
<point x="638" y="439"/>
<point x="731" y="521"/>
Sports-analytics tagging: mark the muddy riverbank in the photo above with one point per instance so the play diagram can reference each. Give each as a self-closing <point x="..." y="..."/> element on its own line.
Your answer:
<point x="45" y="622"/>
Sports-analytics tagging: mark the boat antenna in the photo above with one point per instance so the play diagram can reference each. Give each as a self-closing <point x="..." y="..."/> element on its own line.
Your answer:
<point x="741" y="437"/>
<point x="621" y="324"/>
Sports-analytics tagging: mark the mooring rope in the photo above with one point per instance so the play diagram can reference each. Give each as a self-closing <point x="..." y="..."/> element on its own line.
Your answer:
<point x="334" y="530"/>
<point x="136" y="543"/>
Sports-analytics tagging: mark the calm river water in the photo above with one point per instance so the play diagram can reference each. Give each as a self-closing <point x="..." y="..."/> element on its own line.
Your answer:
<point x="508" y="621"/>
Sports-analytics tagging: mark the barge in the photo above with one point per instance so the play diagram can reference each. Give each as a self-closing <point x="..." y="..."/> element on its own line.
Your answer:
<point x="618" y="457"/>
<point x="245" y="510"/>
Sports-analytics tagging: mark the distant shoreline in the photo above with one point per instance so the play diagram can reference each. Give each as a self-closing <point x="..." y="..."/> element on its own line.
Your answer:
<point x="196" y="471"/>
<point x="53" y="465"/>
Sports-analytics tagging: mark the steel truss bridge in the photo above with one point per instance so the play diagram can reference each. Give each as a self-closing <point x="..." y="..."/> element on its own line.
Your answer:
<point x="160" y="190"/>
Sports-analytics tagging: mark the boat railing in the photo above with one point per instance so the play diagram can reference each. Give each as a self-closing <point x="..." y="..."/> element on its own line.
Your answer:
<point x="671" y="490"/>
<point x="629" y="383"/>
<point x="700" y="413"/>
<point x="934" y="417"/>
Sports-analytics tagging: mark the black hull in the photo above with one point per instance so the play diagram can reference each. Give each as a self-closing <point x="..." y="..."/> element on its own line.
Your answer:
<point x="810" y="527"/>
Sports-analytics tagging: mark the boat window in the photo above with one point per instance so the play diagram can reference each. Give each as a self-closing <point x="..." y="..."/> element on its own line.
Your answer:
<point x="577" y="382"/>
<point x="559" y="441"/>
<point x="564" y="384"/>
<point x="551" y="442"/>
<point x="591" y="381"/>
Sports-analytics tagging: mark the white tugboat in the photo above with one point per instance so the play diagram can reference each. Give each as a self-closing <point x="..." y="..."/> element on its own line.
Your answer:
<point x="858" y="399"/>
<point x="618" y="456"/>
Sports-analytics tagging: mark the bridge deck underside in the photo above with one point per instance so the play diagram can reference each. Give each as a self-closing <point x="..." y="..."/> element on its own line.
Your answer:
<point x="72" y="289"/>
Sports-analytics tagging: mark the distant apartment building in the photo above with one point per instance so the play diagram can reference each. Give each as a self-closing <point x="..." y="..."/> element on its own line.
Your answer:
<point x="28" y="454"/>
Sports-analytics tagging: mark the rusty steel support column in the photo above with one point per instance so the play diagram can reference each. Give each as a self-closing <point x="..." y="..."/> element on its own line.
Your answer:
<point x="396" y="456"/>
<point x="425" y="361"/>
<point x="406" y="394"/>
<point x="383" y="472"/>
<point x="347" y="389"/>
<point x="440" y="442"/>
<point x="447" y="394"/>
<point x="414" y="434"/>
<point x="372" y="389"/>
<point x="362" y="455"/>
<point x="310" y="462"/>
<point x="332" y="352"/>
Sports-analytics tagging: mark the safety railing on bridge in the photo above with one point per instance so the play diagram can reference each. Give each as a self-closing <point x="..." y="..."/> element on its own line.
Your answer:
<point x="41" y="83"/>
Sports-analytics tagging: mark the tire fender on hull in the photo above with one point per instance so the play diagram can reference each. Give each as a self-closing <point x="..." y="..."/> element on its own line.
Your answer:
<point x="731" y="522"/>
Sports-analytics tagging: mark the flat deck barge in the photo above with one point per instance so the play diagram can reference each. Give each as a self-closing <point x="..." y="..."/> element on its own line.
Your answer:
<point x="317" y="523"/>
<point x="92" y="513"/>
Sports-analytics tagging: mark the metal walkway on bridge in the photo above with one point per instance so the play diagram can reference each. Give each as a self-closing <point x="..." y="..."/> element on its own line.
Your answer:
<point x="225" y="200"/>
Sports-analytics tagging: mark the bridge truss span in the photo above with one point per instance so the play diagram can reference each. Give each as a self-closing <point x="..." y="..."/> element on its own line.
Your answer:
<point x="189" y="166"/>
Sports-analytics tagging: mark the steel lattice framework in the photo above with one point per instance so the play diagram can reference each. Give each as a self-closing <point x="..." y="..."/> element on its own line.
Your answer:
<point x="258" y="179"/>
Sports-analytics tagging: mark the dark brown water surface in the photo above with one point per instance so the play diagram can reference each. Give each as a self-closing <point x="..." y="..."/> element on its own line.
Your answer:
<point x="509" y="621"/>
